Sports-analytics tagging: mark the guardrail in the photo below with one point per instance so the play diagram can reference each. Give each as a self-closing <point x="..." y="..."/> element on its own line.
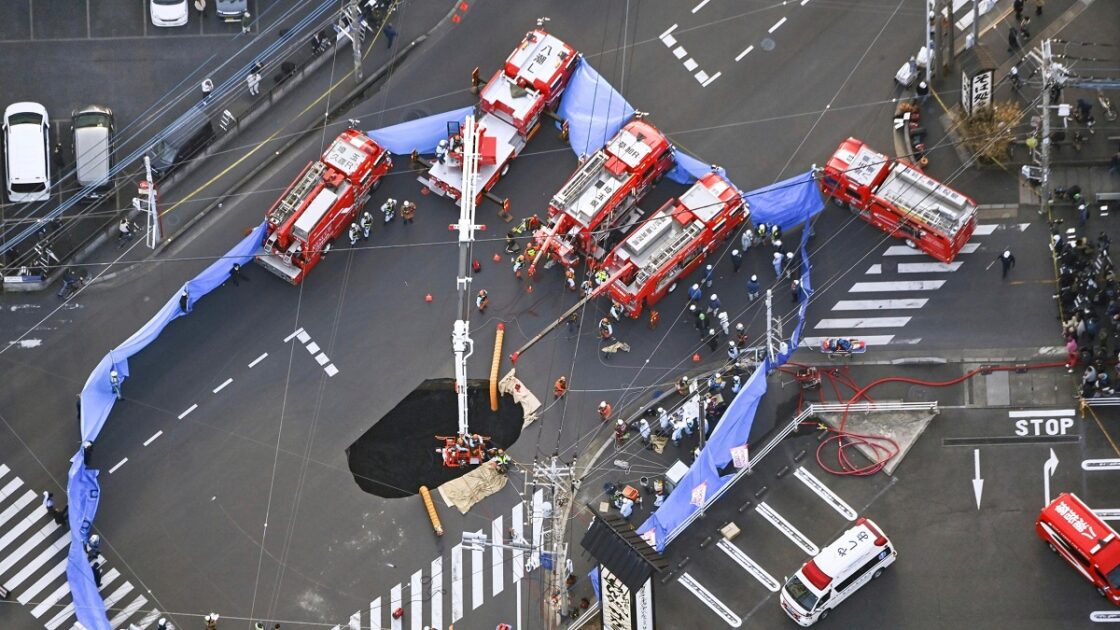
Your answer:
<point x="1101" y="402"/>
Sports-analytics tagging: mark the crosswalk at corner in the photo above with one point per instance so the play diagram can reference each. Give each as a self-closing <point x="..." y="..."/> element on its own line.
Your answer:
<point x="475" y="572"/>
<point x="33" y="552"/>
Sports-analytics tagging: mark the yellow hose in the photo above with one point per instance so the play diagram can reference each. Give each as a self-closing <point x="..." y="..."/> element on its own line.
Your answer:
<point x="497" y="363"/>
<point x="427" y="496"/>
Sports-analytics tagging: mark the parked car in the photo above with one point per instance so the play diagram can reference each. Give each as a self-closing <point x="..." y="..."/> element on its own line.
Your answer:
<point x="231" y="10"/>
<point x="92" y="131"/>
<point x="187" y="141"/>
<point x="166" y="13"/>
<point x="27" y="155"/>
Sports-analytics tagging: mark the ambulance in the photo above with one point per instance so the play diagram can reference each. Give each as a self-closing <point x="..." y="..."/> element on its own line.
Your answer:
<point x="1075" y="533"/>
<point x="858" y="556"/>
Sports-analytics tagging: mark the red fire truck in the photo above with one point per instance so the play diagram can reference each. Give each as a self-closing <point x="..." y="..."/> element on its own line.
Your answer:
<point x="602" y="195"/>
<point x="899" y="199"/>
<point x="512" y="102"/>
<point x="1084" y="540"/>
<point x="673" y="241"/>
<point x="321" y="203"/>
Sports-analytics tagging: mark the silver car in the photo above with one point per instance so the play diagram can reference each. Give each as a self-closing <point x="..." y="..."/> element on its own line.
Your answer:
<point x="92" y="129"/>
<point x="232" y="10"/>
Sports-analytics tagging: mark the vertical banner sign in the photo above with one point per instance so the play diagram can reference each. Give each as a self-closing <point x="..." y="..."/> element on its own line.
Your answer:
<point x="966" y="93"/>
<point x="982" y="90"/>
<point x="643" y="607"/>
<point x="617" y="602"/>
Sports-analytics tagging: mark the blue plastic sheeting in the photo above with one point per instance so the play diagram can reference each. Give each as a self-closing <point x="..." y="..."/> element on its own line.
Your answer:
<point x="593" y="109"/>
<point x="689" y="169"/>
<point x="82" y="489"/>
<point x="593" y="575"/>
<point x="787" y="203"/>
<point x="732" y="431"/>
<point x="422" y="134"/>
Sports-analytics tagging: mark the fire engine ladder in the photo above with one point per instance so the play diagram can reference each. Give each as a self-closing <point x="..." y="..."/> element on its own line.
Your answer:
<point x="291" y="201"/>
<point x="690" y="232"/>
<point x="588" y="172"/>
<point x="461" y="343"/>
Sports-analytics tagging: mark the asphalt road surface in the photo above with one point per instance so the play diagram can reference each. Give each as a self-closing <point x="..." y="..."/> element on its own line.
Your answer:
<point x="224" y="468"/>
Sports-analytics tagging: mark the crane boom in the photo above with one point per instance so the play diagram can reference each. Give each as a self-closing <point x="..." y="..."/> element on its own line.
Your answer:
<point x="461" y="342"/>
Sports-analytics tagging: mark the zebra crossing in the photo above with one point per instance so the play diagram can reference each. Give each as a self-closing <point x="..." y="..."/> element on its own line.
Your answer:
<point x="885" y="306"/>
<point x="471" y="578"/>
<point x="33" y="554"/>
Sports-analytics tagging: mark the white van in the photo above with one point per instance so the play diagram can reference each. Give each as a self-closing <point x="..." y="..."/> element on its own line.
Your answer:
<point x="858" y="556"/>
<point x="27" y="155"/>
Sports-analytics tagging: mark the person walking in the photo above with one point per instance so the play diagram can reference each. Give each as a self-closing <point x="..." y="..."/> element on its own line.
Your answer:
<point x="207" y="87"/>
<point x="741" y="336"/>
<point x="713" y="304"/>
<point x="645" y="431"/>
<point x="58" y="515"/>
<point x="922" y="91"/>
<point x="616" y="311"/>
<point x="1007" y="261"/>
<point x="778" y="261"/>
<point x="390" y="34"/>
<point x="795" y="291"/>
<point x="713" y="339"/>
<point x="732" y="351"/>
<point x="573" y="323"/>
<point x="709" y="275"/>
<point x="736" y="261"/>
<point x="1038" y="4"/>
<point x="746" y="240"/>
<point x="570" y="278"/>
<point x="702" y="320"/>
<point x="1013" y="39"/>
<point x="695" y="293"/>
<point x="115" y="382"/>
<point x="408" y="211"/>
<point x="235" y="274"/>
<point x="654" y="318"/>
<point x="246" y="22"/>
<point x="619" y="432"/>
<point x="366" y="223"/>
<point x="211" y="621"/>
<point x="518" y="264"/>
<point x="753" y="288"/>
<point x="482" y="301"/>
<point x="185" y="301"/>
<point x="724" y="323"/>
<point x="606" y="331"/>
<point x="663" y="421"/>
<point x="355" y="233"/>
<point x="605" y="411"/>
<point x="1017" y="5"/>
<point x="254" y="83"/>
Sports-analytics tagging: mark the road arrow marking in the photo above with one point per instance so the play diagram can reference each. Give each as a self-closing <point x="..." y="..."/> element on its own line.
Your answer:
<point x="1048" y="469"/>
<point x="977" y="482"/>
<point x="1100" y="464"/>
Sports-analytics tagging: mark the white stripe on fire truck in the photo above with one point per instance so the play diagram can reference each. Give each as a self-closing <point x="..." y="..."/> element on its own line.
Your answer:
<point x="879" y="305"/>
<point x="787" y="528"/>
<point x="864" y="322"/>
<point x="902" y="285"/>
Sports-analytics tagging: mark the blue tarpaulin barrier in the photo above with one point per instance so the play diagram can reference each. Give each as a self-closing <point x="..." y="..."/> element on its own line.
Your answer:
<point x="82" y="489"/>
<point x="593" y="109"/>
<point x="786" y="203"/>
<point x="422" y="134"/>
<point x="689" y="169"/>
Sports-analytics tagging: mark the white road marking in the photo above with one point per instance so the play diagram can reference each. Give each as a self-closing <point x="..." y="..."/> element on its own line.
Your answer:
<point x="303" y="337"/>
<point x="824" y="492"/>
<point x="1104" y="616"/>
<point x="1042" y="413"/>
<point x="3" y="469"/>
<point x="879" y="305"/>
<point x="258" y="360"/>
<point x="669" y="41"/>
<point x="711" y="79"/>
<point x="48" y="577"/>
<point x="50" y="600"/>
<point x="31" y="519"/>
<point x="322" y="359"/>
<point x="375" y="614"/>
<point x="875" y="269"/>
<point x="863" y="322"/>
<point x="150" y="618"/>
<point x="885" y="287"/>
<point x="223" y="385"/>
<point x="128" y="611"/>
<point x="119" y="464"/>
<point x="934" y="267"/>
<point x="38" y="562"/>
<point x="668" y="31"/>
<point x="1055" y="350"/>
<point x="497" y="533"/>
<point x="752" y="567"/>
<point x="679" y="52"/>
<point x="777" y="25"/>
<point x="153" y="438"/>
<point x="701" y="77"/>
<point x="331" y="370"/>
<point x="456" y="583"/>
<point x="711" y="601"/>
<point x="437" y="592"/>
<point x="416" y="599"/>
<point x="14" y="509"/>
<point x="700" y="6"/>
<point x="10" y="488"/>
<point x="296" y="333"/>
<point x="1100" y="464"/>
<point x="313" y="347"/>
<point x="395" y="603"/>
<point x="804" y="2"/>
<point x="691" y="64"/>
<point x="117" y="595"/>
<point x="478" y="576"/>
<point x="518" y="555"/>
<point x="1107" y="515"/>
<point x="903" y="250"/>
<point x="189" y="409"/>
<point x="744" y="53"/>
<point x="787" y="528"/>
<point x="984" y="229"/>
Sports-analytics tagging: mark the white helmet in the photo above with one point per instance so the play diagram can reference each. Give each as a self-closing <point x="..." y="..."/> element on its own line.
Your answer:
<point x="391" y="200"/>
<point x="714" y="296"/>
<point x="734" y="252"/>
<point x="740" y="326"/>
<point x="443" y="143"/>
<point x="603" y="404"/>
<point x="708" y="267"/>
<point x="696" y="286"/>
<point x="789" y="255"/>
<point x="94" y="539"/>
<point x="660" y="410"/>
<point x="1007" y="253"/>
<point x="796" y="282"/>
<point x="754" y="278"/>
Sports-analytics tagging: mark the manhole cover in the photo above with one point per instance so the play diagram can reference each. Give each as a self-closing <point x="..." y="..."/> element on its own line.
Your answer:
<point x="172" y="220"/>
<point x="767" y="44"/>
<point x="918" y="394"/>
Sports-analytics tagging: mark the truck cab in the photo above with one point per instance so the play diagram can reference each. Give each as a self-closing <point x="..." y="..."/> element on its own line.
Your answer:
<point x="1074" y="532"/>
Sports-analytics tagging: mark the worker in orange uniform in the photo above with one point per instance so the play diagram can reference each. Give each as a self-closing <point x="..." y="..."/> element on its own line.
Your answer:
<point x="605" y="410"/>
<point x="654" y="318"/>
<point x="482" y="301"/>
<point x="408" y="211"/>
<point x="560" y="387"/>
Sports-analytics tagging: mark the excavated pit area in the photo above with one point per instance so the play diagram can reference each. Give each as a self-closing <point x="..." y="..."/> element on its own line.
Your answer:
<point x="398" y="454"/>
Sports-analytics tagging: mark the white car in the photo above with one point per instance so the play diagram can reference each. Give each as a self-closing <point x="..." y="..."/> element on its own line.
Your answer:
<point x="168" y="12"/>
<point x="27" y="164"/>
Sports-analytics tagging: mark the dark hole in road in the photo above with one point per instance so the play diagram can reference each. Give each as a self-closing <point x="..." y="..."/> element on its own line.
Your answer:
<point x="398" y="454"/>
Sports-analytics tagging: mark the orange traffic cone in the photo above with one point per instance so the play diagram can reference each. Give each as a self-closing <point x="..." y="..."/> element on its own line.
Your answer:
<point x="428" y="298"/>
<point x="497" y="257"/>
<point x="696" y="358"/>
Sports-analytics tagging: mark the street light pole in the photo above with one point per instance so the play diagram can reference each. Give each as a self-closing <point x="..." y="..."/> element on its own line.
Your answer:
<point x="1047" y="80"/>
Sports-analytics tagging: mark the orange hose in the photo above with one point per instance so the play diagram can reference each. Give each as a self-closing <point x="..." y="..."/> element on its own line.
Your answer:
<point x="495" y="366"/>
<point x="427" y="497"/>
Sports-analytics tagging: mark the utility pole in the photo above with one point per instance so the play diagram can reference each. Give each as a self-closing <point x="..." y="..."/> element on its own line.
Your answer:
<point x="355" y="32"/>
<point x="146" y="204"/>
<point x="930" y="19"/>
<point x="950" y="52"/>
<point x="1047" y="82"/>
<point x="550" y="517"/>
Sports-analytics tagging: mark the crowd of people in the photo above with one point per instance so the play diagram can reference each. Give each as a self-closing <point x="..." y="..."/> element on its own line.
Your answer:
<point x="1089" y="300"/>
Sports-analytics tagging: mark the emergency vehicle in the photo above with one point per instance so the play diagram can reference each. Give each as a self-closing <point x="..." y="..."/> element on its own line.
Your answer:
<point x="321" y="203"/>
<point x="899" y="199"/>
<point x="511" y="104"/>
<point x="602" y="196"/>
<point x="858" y="556"/>
<point x="1086" y="542"/>
<point x="673" y="241"/>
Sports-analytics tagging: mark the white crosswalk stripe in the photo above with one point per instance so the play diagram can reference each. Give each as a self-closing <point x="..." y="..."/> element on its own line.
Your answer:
<point x="879" y="305"/>
<point x="485" y="573"/>
<point x="33" y="560"/>
<point x="929" y="267"/>
<point x="864" y="322"/>
<point x="892" y="287"/>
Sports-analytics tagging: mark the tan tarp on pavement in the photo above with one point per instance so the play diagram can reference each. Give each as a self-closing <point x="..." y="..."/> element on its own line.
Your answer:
<point x="463" y="493"/>
<point x="521" y="395"/>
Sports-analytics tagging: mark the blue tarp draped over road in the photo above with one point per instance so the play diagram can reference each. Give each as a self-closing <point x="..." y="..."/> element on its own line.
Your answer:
<point x="593" y="109"/>
<point x="787" y="203"/>
<point x="689" y="169"/>
<point x="422" y="134"/>
<point x="790" y="202"/>
<point x="82" y="489"/>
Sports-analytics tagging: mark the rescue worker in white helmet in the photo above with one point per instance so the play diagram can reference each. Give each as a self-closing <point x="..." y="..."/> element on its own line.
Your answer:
<point x="441" y="151"/>
<point x="365" y="222"/>
<point x="355" y="233"/>
<point x="389" y="209"/>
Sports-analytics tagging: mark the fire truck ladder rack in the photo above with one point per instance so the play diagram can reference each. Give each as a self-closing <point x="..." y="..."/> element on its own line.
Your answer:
<point x="291" y="201"/>
<point x="687" y="235"/>
<point x="917" y="194"/>
<point x="588" y="173"/>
